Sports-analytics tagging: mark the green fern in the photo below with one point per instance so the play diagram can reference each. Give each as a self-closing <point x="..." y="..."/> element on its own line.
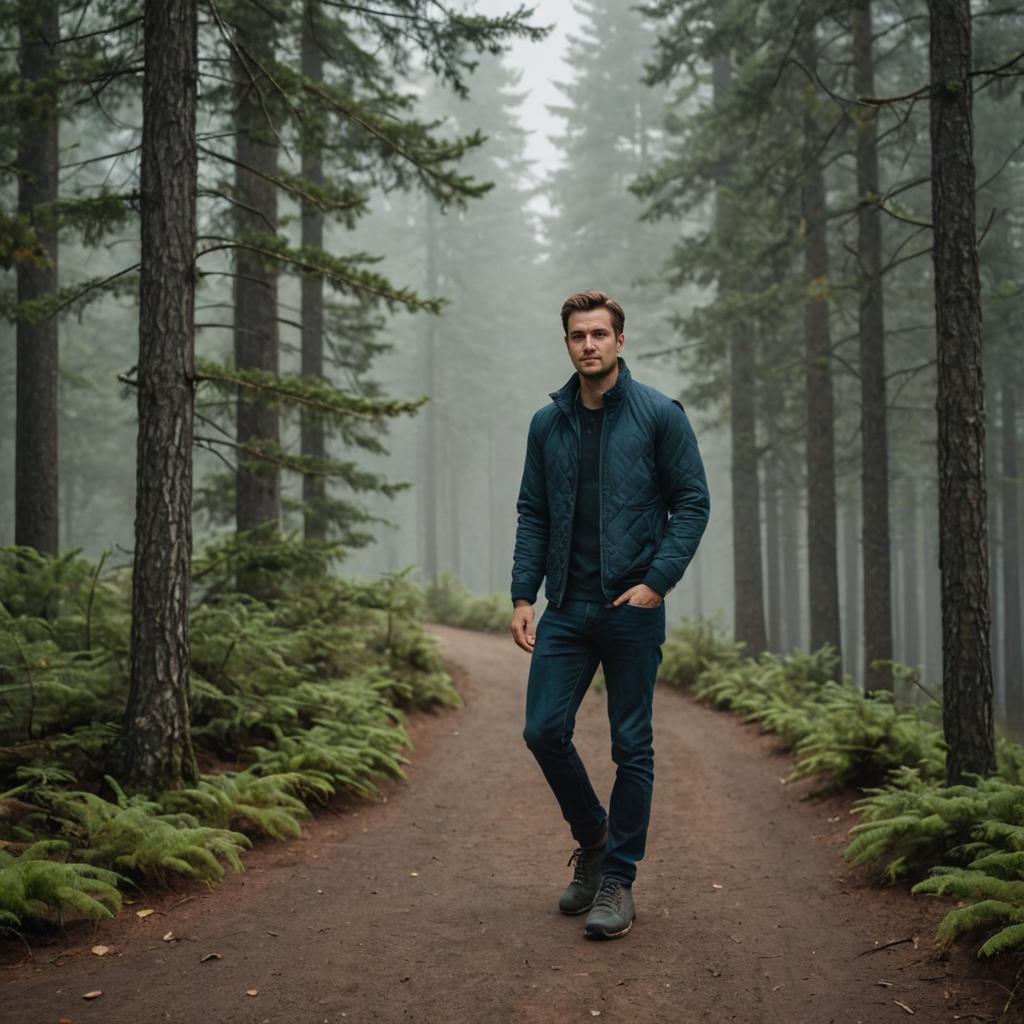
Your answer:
<point x="36" y="882"/>
<point x="248" y="802"/>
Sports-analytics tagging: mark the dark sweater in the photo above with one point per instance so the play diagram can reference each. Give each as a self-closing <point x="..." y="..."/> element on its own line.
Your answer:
<point x="584" y="583"/>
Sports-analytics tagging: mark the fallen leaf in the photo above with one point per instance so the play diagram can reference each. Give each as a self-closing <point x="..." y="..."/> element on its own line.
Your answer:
<point x="95" y="994"/>
<point x="210" y="956"/>
<point x="252" y="991"/>
<point x="903" y="1006"/>
<point x="169" y="936"/>
<point x="101" y="950"/>
<point x="144" y="913"/>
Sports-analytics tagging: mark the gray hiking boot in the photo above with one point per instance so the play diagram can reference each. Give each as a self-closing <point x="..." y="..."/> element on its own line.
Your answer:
<point x="613" y="911"/>
<point x="586" y="878"/>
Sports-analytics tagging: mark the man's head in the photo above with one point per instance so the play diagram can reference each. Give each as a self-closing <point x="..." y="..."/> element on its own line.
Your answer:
<point x="594" y="337"/>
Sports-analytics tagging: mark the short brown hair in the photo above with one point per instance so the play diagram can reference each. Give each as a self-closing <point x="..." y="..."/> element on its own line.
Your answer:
<point x="583" y="302"/>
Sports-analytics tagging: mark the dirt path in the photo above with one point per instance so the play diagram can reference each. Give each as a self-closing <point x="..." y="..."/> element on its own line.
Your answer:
<point x="438" y="903"/>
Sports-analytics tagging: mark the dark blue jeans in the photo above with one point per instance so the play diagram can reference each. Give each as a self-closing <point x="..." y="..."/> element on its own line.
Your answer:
<point x="572" y="640"/>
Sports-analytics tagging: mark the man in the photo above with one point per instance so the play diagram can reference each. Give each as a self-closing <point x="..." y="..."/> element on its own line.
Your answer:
<point x="612" y="506"/>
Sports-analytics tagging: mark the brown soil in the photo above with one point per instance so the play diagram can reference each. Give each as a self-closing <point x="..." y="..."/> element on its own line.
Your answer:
<point x="438" y="903"/>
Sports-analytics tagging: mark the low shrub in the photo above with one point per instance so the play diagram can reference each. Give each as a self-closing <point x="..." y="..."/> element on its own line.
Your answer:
<point x="306" y="692"/>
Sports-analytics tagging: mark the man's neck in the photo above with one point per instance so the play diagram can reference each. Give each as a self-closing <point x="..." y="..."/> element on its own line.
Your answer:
<point x="592" y="391"/>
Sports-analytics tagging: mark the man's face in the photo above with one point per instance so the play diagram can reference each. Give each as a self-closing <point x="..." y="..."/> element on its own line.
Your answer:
<point x="592" y="344"/>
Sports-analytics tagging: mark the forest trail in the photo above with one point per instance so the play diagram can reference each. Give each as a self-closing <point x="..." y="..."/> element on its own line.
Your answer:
<point x="438" y="903"/>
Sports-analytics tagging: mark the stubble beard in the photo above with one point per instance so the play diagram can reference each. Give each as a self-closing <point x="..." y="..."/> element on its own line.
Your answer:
<point x="597" y="374"/>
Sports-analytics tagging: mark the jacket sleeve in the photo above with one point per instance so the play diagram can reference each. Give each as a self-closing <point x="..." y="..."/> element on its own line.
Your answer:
<point x="685" y="487"/>
<point x="531" y="550"/>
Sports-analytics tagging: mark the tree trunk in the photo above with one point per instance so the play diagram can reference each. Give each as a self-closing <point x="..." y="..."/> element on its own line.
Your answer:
<point x="429" y="466"/>
<point x="452" y="464"/>
<point x="1013" y="658"/>
<point x="792" y="617"/>
<point x="312" y="443"/>
<point x="823" y="574"/>
<point x="874" y="431"/>
<point x="773" y="555"/>
<point x="992" y="447"/>
<point x="911" y="572"/>
<point x="258" y="495"/>
<point x="932" y="595"/>
<point x="157" y="745"/>
<point x="851" y="590"/>
<point x="36" y="503"/>
<point x="748" y="583"/>
<point x="963" y="526"/>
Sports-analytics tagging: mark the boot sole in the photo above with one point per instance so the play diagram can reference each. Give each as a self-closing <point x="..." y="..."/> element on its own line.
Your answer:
<point x="597" y="933"/>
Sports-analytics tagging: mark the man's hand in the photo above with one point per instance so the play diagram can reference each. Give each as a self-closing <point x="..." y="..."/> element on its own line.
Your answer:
<point x="522" y="626"/>
<point x="641" y="595"/>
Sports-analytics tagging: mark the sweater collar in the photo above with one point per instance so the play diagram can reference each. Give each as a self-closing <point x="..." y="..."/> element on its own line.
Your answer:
<point x="565" y="396"/>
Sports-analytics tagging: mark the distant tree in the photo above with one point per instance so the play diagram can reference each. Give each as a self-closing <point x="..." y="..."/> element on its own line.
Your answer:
<point x="877" y="573"/>
<point x="822" y="556"/>
<point x="611" y="135"/>
<point x="157" y="752"/>
<point x="37" y="165"/>
<point x="486" y="261"/>
<point x="313" y="434"/>
<point x="257" y="123"/>
<point x="748" y="582"/>
<point x="963" y="502"/>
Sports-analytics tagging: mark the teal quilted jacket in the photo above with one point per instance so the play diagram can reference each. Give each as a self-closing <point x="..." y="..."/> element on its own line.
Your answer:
<point x="653" y="493"/>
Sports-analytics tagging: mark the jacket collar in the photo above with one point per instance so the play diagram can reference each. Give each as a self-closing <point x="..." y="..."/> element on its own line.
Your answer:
<point x="565" y="396"/>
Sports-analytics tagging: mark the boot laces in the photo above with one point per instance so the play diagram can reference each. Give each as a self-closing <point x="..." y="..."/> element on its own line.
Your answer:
<point x="579" y="872"/>
<point x="609" y="895"/>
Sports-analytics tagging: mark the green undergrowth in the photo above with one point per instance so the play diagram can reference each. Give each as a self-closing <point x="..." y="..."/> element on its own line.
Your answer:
<point x="295" y="697"/>
<point x="964" y="841"/>
<point x="447" y="600"/>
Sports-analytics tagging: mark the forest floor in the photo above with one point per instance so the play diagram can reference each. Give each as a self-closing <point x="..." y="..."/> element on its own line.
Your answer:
<point x="438" y="902"/>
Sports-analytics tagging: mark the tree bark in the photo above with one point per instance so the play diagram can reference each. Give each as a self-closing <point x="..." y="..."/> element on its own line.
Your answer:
<point x="823" y="573"/>
<point x="911" y="574"/>
<point x="258" y="495"/>
<point x="430" y="466"/>
<point x="36" y="503"/>
<point x="157" y="746"/>
<point x="451" y="467"/>
<point x="773" y="555"/>
<point x="932" y="594"/>
<point x="748" y="581"/>
<point x="851" y="588"/>
<point x="963" y="526"/>
<point x="312" y="429"/>
<point x="1013" y="657"/>
<point x="874" y="430"/>
<point x="792" y="613"/>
